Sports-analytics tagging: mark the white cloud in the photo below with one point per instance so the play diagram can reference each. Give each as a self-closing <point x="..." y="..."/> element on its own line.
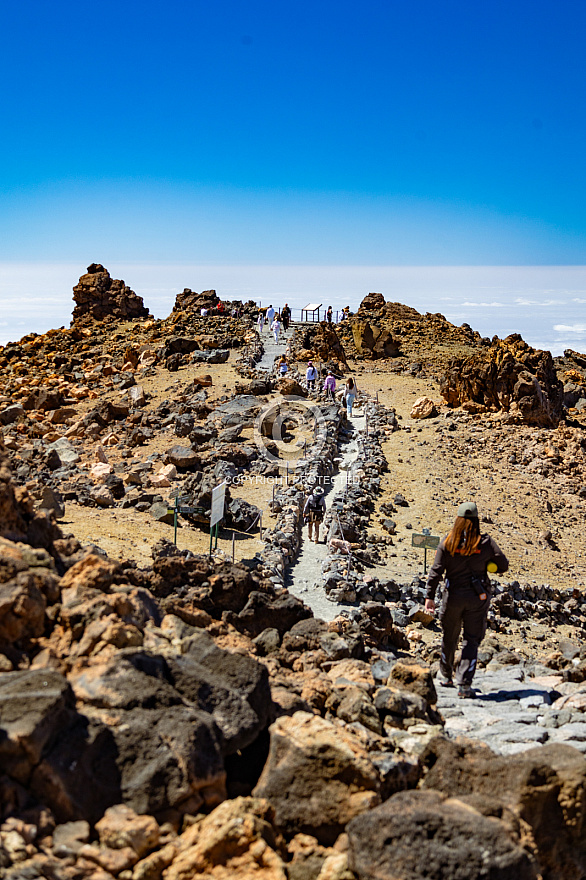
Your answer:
<point x="484" y="305"/>
<point x="579" y="329"/>
<point x="522" y="301"/>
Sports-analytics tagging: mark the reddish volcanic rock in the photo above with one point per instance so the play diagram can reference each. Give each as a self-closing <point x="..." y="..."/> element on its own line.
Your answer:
<point x="100" y="296"/>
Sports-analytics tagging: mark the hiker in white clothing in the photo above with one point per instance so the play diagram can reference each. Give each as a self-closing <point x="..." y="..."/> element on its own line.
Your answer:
<point x="276" y="328"/>
<point x="270" y="315"/>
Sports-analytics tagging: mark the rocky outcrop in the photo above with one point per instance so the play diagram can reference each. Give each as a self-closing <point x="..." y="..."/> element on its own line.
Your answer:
<point x="372" y="341"/>
<point x="99" y="296"/>
<point x="510" y="376"/>
<point x="319" y="342"/>
<point x="189" y="301"/>
<point x="372" y="302"/>
<point x="543" y="788"/>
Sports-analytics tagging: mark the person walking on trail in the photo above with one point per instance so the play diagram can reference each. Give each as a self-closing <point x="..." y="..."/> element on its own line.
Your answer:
<point x="282" y="366"/>
<point x="314" y="512"/>
<point x="310" y="376"/>
<point x="276" y="328"/>
<point x="350" y="392"/>
<point x="286" y="316"/>
<point x="330" y="386"/>
<point x="261" y="322"/>
<point x="329" y="315"/>
<point x="270" y="315"/>
<point x="466" y="557"/>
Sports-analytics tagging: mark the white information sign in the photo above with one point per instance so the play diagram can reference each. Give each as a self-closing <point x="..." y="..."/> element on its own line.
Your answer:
<point x="218" y="496"/>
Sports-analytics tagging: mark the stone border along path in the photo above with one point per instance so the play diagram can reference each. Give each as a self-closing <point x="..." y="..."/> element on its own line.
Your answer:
<point x="304" y="577"/>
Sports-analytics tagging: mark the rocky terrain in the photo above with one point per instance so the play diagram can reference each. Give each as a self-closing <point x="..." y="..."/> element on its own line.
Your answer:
<point x="167" y="712"/>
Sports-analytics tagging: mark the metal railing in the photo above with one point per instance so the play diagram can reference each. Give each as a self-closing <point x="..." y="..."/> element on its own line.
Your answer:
<point x="311" y="317"/>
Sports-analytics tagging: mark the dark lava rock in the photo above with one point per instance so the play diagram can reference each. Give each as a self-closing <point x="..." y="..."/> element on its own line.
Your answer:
<point x="241" y="514"/>
<point x="420" y="834"/>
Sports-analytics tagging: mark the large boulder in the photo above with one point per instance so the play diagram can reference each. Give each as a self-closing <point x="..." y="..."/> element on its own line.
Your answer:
<point x="318" y="776"/>
<point x="373" y="341"/>
<point x="509" y="376"/>
<point x="99" y="296"/>
<point x="35" y="707"/>
<point x="320" y="342"/>
<point x="421" y="834"/>
<point x="545" y="788"/>
<point x="267" y="611"/>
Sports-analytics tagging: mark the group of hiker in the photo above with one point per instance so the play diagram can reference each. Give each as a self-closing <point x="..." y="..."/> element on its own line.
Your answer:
<point x="283" y="317"/>
<point x="274" y="320"/>
<point x="329" y="387"/>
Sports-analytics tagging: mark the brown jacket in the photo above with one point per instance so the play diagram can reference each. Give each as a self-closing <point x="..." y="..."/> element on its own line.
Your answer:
<point x="458" y="568"/>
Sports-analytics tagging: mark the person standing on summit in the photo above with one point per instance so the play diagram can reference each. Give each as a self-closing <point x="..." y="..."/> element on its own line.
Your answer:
<point x="285" y="316"/>
<point x="270" y="315"/>
<point x="466" y="557"/>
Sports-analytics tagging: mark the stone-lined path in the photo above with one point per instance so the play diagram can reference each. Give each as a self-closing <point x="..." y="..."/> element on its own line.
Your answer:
<point x="516" y="708"/>
<point x="304" y="576"/>
<point x="272" y="349"/>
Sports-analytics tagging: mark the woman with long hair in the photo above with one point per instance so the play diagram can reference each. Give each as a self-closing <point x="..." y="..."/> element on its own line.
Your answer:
<point x="350" y="392"/>
<point x="465" y="556"/>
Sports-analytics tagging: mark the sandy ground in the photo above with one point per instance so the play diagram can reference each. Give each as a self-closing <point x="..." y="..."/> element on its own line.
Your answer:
<point x="435" y="481"/>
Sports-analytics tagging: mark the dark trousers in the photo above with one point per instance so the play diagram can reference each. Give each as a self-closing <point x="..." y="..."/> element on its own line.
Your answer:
<point x="462" y="610"/>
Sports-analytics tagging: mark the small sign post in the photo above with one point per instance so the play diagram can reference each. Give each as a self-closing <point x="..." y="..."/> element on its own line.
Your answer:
<point x="425" y="541"/>
<point x="217" y="510"/>
<point x="180" y="508"/>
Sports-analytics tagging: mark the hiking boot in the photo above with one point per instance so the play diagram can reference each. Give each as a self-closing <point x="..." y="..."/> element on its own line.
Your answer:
<point x="465" y="691"/>
<point x="446" y="682"/>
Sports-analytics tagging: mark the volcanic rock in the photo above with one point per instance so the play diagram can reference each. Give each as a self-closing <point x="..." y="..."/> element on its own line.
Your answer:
<point x="372" y="341"/>
<point x="99" y="296"/>
<point x="320" y="342"/>
<point x="509" y="376"/>
<point x="189" y="300"/>
<point x="418" y="834"/>
<point x="317" y="777"/>
<point x="423" y="408"/>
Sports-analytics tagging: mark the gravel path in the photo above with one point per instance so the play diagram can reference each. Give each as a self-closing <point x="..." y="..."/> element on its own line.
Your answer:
<point x="304" y="578"/>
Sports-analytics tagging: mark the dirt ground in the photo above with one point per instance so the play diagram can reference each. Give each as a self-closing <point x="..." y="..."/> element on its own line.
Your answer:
<point x="435" y="480"/>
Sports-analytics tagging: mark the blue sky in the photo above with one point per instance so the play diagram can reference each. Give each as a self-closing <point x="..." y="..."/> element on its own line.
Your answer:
<point x="372" y="133"/>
